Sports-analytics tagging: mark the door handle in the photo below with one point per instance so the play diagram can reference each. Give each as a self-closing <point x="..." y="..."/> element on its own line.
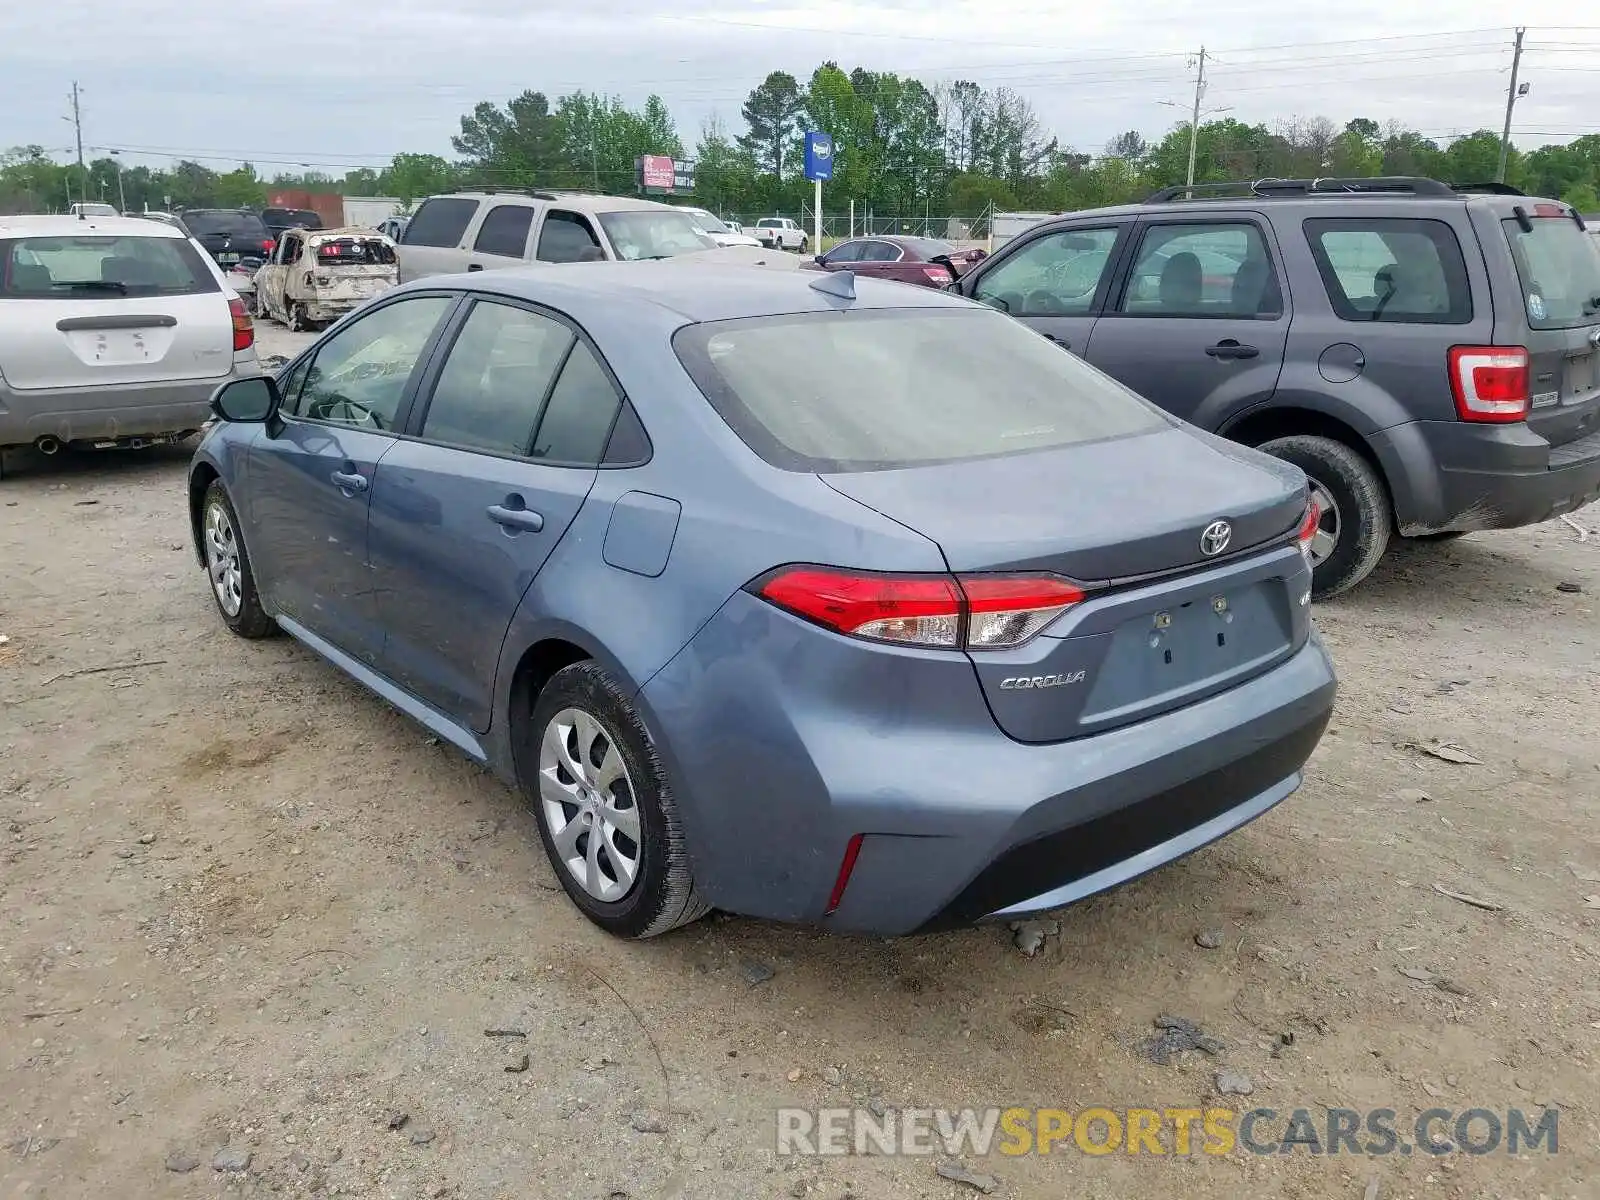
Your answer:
<point x="1229" y="348"/>
<point x="349" y="481"/>
<point x="474" y="266"/>
<point x="1064" y="343"/>
<point x="516" y="518"/>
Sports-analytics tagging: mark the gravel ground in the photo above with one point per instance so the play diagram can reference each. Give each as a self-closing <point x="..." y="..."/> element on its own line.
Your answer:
<point x="256" y="924"/>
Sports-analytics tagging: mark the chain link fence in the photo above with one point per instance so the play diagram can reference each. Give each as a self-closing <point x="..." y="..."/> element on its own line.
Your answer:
<point x="839" y="226"/>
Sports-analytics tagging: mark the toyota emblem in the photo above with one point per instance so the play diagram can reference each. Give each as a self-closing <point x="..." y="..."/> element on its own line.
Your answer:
<point x="1215" y="538"/>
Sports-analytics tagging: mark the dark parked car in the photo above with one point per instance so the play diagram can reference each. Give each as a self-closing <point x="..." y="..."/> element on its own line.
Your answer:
<point x="277" y="220"/>
<point x="811" y="598"/>
<point x="229" y="234"/>
<point x="925" y="261"/>
<point x="1428" y="355"/>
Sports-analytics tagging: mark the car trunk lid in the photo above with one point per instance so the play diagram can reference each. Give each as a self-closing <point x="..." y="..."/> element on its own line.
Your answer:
<point x="1165" y="623"/>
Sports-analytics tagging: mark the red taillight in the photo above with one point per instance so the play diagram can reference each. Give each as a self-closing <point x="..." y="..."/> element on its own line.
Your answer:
<point x="937" y="274"/>
<point x="244" y="330"/>
<point x="1490" y="383"/>
<point x="1308" y="528"/>
<point x="851" y="853"/>
<point x="976" y="612"/>
<point x="267" y="246"/>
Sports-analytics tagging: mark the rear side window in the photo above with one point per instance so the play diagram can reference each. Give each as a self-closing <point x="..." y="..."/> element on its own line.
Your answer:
<point x="440" y="221"/>
<point x="578" y="419"/>
<point x="118" y="265"/>
<point x="504" y="231"/>
<point x="1202" y="270"/>
<point x="1559" y="267"/>
<point x="1400" y="271"/>
<point x="566" y="237"/>
<point x="880" y="389"/>
<point x="498" y="374"/>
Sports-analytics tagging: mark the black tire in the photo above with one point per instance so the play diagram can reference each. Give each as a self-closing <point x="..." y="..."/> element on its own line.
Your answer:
<point x="1366" y="518"/>
<point x="661" y="895"/>
<point x="251" y="620"/>
<point x="1449" y="535"/>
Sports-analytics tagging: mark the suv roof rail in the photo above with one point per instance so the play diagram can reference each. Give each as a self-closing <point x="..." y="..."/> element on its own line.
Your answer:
<point x="1326" y="186"/>
<point x="1488" y="188"/>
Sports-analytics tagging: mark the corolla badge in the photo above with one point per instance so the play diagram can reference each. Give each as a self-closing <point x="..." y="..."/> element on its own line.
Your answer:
<point x="1215" y="537"/>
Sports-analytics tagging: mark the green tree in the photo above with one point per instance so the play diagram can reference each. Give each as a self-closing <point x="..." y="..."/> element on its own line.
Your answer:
<point x="1474" y="158"/>
<point x="519" y="144"/>
<point x="771" y="112"/>
<point x="1584" y="197"/>
<point x="412" y="177"/>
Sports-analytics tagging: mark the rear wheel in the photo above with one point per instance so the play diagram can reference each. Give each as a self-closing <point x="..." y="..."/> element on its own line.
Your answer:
<point x="296" y="319"/>
<point x="607" y="815"/>
<point x="1357" y="518"/>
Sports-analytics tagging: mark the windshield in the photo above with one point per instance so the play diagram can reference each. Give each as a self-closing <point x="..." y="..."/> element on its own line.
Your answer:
<point x="125" y="265"/>
<point x="708" y="223"/>
<point x="1559" y="266"/>
<point x="654" y="233"/>
<point x="901" y="388"/>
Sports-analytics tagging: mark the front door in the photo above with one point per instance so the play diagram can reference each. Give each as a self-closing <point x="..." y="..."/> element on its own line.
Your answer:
<point x="465" y="512"/>
<point x="1054" y="280"/>
<point x="1198" y="322"/>
<point x="311" y="477"/>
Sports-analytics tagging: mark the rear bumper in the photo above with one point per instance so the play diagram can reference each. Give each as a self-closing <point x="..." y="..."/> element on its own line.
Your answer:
<point x="1458" y="476"/>
<point x="103" y="413"/>
<point x="776" y="772"/>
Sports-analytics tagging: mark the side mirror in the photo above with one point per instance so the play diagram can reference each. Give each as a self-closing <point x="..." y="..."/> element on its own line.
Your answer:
<point x="247" y="401"/>
<point x="821" y="260"/>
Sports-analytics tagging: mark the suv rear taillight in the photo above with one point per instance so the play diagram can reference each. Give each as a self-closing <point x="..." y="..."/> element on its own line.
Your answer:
<point x="244" y="330"/>
<point x="268" y="246"/>
<point x="973" y="612"/>
<point x="1307" y="532"/>
<point x="1490" y="383"/>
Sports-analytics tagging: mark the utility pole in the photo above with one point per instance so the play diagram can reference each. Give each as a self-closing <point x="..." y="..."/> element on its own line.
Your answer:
<point x="1511" y="101"/>
<point x="77" y="124"/>
<point x="1194" y="120"/>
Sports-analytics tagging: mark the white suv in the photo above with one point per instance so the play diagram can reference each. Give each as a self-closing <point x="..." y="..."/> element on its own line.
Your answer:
<point x="114" y="332"/>
<point x="485" y="231"/>
<point x="782" y="233"/>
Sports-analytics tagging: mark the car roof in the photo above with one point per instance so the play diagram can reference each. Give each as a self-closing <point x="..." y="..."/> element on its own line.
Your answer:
<point x="683" y="289"/>
<point x="65" y="225"/>
<point x="583" y="201"/>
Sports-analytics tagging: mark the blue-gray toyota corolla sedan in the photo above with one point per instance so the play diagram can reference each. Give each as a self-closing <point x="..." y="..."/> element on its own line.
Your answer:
<point x="806" y="597"/>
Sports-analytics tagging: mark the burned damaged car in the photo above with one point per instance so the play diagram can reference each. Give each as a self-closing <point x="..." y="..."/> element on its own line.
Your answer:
<point x="314" y="277"/>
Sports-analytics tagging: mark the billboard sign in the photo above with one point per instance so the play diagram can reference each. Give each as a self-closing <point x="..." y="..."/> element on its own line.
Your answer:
<point x="663" y="175"/>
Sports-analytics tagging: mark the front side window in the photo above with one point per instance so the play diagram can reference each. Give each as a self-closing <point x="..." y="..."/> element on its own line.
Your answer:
<point x="101" y="266"/>
<point x="1056" y="275"/>
<point x="1558" y="265"/>
<point x="496" y="378"/>
<point x="360" y="373"/>
<point x="1202" y="270"/>
<point x="566" y="237"/>
<point x="1407" y="272"/>
<point x="505" y="231"/>
<point x="901" y="388"/>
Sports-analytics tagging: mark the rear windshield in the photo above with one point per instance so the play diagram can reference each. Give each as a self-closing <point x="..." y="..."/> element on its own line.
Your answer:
<point x="878" y="389"/>
<point x="1559" y="266"/>
<point x="121" y="265"/>
<point x="654" y="233"/>
<point x="231" y="224"/>
<point x="290" y="217"/>
<point x="355" y="252"/>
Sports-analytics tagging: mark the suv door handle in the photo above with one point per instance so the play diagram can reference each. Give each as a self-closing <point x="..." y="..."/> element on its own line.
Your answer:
<point x="515" y="518"/>
<point x="349" y="481"/>
<point x="474" y="266"/>
<point x="1229" y="348"/>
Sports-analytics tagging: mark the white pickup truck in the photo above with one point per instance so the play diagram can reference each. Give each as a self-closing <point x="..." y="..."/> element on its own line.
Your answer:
<point x="781" y="233"/>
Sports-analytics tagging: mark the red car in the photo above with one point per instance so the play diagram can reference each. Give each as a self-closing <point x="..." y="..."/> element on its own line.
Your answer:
<point x="907" y="259"/>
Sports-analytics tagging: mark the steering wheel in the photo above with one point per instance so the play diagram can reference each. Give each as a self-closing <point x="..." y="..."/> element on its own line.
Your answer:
<point x="346" y="411"/>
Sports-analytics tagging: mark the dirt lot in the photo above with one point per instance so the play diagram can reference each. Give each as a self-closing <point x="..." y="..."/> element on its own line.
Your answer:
<point x="247" y="906"/>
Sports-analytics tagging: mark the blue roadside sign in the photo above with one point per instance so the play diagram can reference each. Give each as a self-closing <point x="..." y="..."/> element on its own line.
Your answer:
<point x="819" y="155"/>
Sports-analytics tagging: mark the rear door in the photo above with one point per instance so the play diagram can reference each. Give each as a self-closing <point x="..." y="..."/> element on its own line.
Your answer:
<point x="465" y="512"/>
<point x="502" y="237"/>
<point x="434" y="241"/>
<point x="311" y="479"/>
<point x="1054" y="280"/>
<point x="1198" y="321"/>
<point x="109" y="309"/>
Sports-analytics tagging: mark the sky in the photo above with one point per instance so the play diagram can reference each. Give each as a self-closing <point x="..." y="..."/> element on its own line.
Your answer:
<point x="336" y="84"/>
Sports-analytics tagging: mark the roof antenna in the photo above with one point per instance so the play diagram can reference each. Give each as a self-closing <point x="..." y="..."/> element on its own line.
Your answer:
<point x="836" y="283"/>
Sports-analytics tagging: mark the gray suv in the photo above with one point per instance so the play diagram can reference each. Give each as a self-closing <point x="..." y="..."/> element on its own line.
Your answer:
<point x="477" y="231"/>
<point x="1429" y="355"/>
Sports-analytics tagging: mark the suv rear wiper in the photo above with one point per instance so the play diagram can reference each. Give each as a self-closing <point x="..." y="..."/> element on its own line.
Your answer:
<point x="92" y="285"/>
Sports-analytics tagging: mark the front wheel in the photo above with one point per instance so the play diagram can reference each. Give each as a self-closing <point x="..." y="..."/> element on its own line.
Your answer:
<point x="607" y="815"/>
<point x="233" y="583"/>
<point x="1357" y="518"/>
<point x="805" y="244"/>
